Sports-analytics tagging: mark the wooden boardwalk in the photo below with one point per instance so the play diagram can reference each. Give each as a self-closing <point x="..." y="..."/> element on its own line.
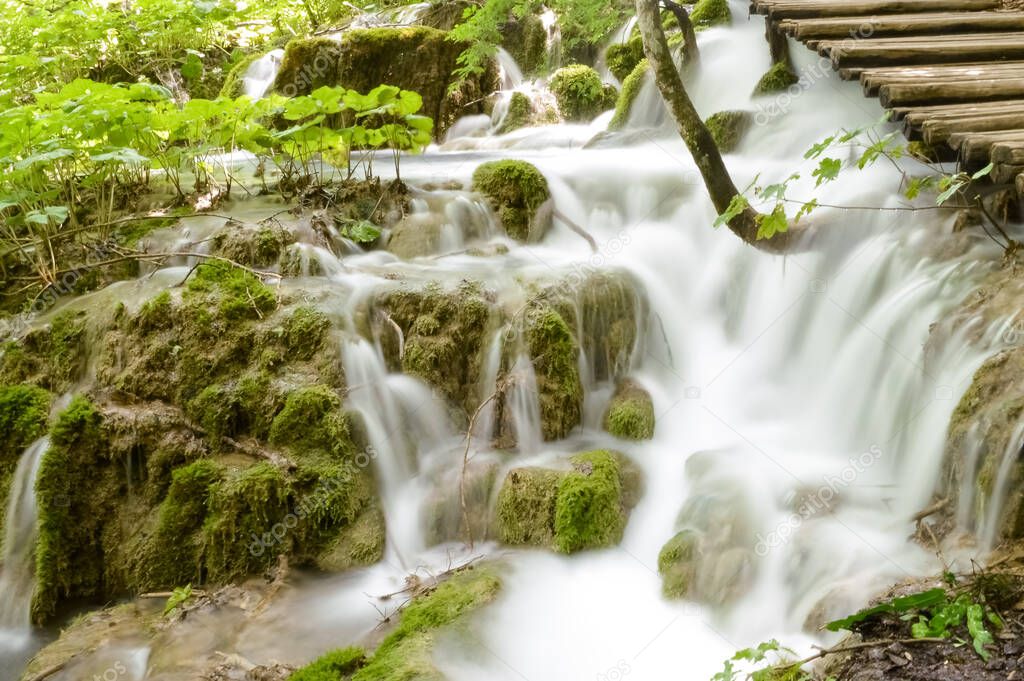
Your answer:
<point x="952" y="71"/>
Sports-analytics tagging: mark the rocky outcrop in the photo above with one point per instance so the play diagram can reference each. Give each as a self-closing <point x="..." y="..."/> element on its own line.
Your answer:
<point x="415" y="58"/>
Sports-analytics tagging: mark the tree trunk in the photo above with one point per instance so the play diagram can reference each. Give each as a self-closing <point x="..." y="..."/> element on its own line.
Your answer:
<point x="690" y="52"/>
<point x="695" y="134"/>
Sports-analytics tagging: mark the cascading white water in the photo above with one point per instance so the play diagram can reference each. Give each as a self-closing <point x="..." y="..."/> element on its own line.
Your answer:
<point x="17" y="570"/>
<point x="261" y="74"/>
<point x="798" y="424"/>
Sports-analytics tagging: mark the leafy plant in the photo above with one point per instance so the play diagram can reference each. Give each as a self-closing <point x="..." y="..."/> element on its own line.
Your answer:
<point x="178" y="597"/>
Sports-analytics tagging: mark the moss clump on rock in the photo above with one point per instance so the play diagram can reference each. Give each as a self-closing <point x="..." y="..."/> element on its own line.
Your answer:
<point x="776" y="79"/>
<point x="407" y="652"/>
<point x="580" y="93"/>
<point x="234" y="81"/>
<point x="52" y="357"/>
<point x="237" y="293"/>
<point x="555" y="354"/>
<point x="583" y="508"/>
<point x="630" y="414"/>
<point x="677" y="563"/>
<point x="630" y="89"/>
<point x="727" y="128"/>
<point x="517" y="191"/>
<point x="260" y="246"/>
<point x="24" y="411"/>
<point x="519" y="115"/>
<point x="708" y="13"/>
<point x="312" y="422"/>
<point x="526" y="40"/>
<point x="622" y="58"/>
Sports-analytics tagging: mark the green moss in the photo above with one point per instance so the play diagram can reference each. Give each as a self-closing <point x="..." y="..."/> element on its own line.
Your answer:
<point x="243" y="508"/>
<point x="727" y="129"/>
<point x="260" y="246"/>
<point x="520" y="113"/>
<point x="312" y="422"/>
<point x="525" y="511"/>
<point x="236" y="293"/>
<point x="69" y="542"/>
<point x="630" y="414"/>
<point x="622" y="58"/>
<point x="588" y="510"/>
<point x="776" y="79"/>
<point x="580" y="93"/>
<point x="630" y="89"/>
<point x="676" y="563"/>
<point x="406" y="653"/>
<point x="155" y="314"/>
<point x="175" y="552"/>
<point x="234" y="81"/>
<point x="526" y="40"/>
<point x="708" y="13"/>
<point x="359" y="544"/>
<point x="259" y="401"/>
<point x="516" y="190"/>
<point x="24" y="411"/>
<point x="305" y="331"/>
<point x="555" y="354"/>
<point x="216" y="409"/>
<point x="334" y="666"/>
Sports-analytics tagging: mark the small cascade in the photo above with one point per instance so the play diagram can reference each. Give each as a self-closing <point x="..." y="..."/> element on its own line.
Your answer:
<point x="988" y="532"/>
<point x="17" y="572"/>
<point x="522" y="408"/>
<point x="554" y="39"/>
<point x="510" y="74"/>
<point x="261" y="74"/>
<point x="403" y="421"/>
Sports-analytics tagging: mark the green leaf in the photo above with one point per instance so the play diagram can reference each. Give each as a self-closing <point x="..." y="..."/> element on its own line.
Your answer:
<point x="976" y="627"/>
<point x="360" y="231"/>
<point x="827" y="170"/>
<point x="983" y="172"/>
<point x="773" y="223"/>
<point x="819" y="148"/>
<point x="918" y="601"/>
<point x="737" y="205"/>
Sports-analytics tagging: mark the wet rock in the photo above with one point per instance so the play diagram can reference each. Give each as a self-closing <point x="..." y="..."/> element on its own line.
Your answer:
<point x="517" y="191"/>
<point x="727" y="128"/>
<point x="583" y="508"/>
<point x="251" y="245"/>
<point x="776" y="79"/>
<point x="580" y="93"/>
<point x="415" y="58"/>
<point x="630" y="414"/>
<point x="444" y="511"/>
<point x="526" y="39"/>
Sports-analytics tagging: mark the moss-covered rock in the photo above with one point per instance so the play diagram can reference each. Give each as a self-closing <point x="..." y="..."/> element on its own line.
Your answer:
<point x="776" y="79"/>
<point x="251" y="245"/>
<point x="677" y="563"/>
<point x="708" y="13"/>
<point x="445" y="519"/>
<point x="52" y="357"/>
<point x="444" y="333"/>
<point x="24" y="411"/>
<point x="312" y="422"/>
<point x="727" y="128"/>
<point x="630" y="89"/>
<point x="406" y="653"/>
<point x="622" y="58"/>
<point x="519" y="114"/>
<point x="555" y="354"/>
<point x="585" y="507"/>
<point x="630" y="414"/>
<point x="526" y="40"/>
<point x="234" y="81"/>
<point x="413" y="58"/>
<point x="580" y="93"/>
<point x="517" y="191"/>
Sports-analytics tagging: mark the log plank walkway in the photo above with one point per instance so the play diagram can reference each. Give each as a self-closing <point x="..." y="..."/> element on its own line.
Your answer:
<point x="952" y="71"/>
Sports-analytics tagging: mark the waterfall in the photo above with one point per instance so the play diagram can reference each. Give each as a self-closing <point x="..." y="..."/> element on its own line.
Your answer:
<point x="261" y="74"/>
<point x="17" y="572"/>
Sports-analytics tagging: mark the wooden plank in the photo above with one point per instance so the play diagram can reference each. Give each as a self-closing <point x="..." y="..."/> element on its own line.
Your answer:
<point x="1020" y="185"/>
<point x="1008" y="152"/>
<point x="919" y="24"/>
<point x="946" y="91"/>
<point x="918" y="114"/>
<point x="873" y="79"/>
<point x="1004" y="173"/>
<point x="895" y="51"/>
<point x="975" y="147"/>
<point x="794" y="9"/>
<point x="938" y="131"/>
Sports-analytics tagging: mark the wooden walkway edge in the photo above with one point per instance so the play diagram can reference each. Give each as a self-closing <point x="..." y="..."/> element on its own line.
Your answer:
<point x="952" y="71"/>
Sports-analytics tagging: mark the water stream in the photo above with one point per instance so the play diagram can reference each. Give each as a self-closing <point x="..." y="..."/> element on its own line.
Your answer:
<point x="798" y="424"/>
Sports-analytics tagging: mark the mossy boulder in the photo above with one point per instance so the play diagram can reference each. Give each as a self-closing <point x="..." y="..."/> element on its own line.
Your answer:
<point x="517" y="191"/>
<point x="580" y="93"/>
<point x="415" y="58"/>
<point x="622" y="58"/>
<point x="251" y="245"/>
<point x="555" y="354"/>
<point x="983" y="433"/>
<point x="443" y="334"/>
<point x="630" y="413"/>
<point x="677" y="563"/>
<point x="776" y="79"/>
<point x="24" y="411"/>
<point x="585" y="507"/>
<point x="727" y="128"/>
<point x="708" y="13"/>
<point x="53" y="356"/>
<point x="526" y="40"/>
<point x="630" y="89"/>
<point x="406" y="653"/>
<point x="522" y="112"/>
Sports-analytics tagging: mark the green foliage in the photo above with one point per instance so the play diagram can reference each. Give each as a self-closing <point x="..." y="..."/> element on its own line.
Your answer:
<point x="771" y="661"/>
<point x="938" y="614"/>
<point x="237" y="293"/>
<point x="178" y="598"/>
<point x="580" y="93"/>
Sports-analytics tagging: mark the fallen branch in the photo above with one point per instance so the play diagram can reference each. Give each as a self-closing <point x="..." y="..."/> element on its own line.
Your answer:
<point x="502" y="385"/>
<point x="930" y="510"/>
<point x="576" y="228"/>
